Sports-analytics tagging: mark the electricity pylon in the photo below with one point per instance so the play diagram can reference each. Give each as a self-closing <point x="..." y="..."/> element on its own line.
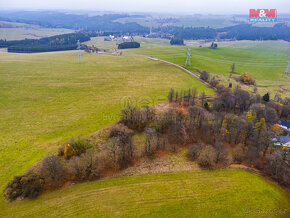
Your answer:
<point x="79" y="48"/>
<point x="187" y="63"/>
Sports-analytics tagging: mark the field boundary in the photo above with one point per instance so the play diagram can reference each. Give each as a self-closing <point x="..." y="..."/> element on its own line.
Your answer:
<point x="179" y="66"/>
<point x="183" y="68"/>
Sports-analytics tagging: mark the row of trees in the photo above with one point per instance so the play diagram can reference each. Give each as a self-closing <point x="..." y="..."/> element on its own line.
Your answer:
<point x="107" y="23"/>
<point x="234" y="119"/>
<point x="250" y="134"/>
<point x="53" y="43"/>
<point x="248" y="128"/>
<point x="40" y="48"/>
<point x="76" y="161"/>
<point x="176" y="41"/>
<point x="238" y="32"/>
<point x="249" y="32"/>
<point x="102" y="23"/>
<point x="188" y="33"/>
<point x="126" y="45"/>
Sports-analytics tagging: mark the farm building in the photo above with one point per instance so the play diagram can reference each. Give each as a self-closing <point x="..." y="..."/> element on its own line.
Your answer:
<point x="283" y="141"/>
<point x="284" y="124"/>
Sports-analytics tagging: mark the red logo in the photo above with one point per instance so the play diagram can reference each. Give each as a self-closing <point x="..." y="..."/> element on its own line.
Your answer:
<point x="263" y="13"/>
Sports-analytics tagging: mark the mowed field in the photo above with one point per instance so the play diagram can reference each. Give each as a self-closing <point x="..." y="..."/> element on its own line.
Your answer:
<point x="219" y="193"/>
<point x="47" y="98"/>
<point x="266" y="61"/>
<point x="19" y="31"/>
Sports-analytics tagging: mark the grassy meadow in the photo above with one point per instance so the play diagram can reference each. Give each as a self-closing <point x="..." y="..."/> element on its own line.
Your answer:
<point x="47" y="98"/>
<point x="266" y="61"/>
<point x="20" y="31"/>
<point x="219" y="193"/>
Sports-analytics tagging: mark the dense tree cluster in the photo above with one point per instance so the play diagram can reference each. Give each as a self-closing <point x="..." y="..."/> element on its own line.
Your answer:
<point x="81" y="164"/>
<point x="104" y="23"/>
<point x="26" y="186"/>
<point x="125" y="45"/>
<point x="190" y="33"/>
<point x="53" y="43"/>
<point x="107" y="23"/>
<point x="176" y="41"/>
<point x="249" y="32"/>
<point x="238" y="32"/>
<point x="234" y="120"/>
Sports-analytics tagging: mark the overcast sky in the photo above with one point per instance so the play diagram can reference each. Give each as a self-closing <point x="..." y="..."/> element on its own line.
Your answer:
<point x="177" y="6"/>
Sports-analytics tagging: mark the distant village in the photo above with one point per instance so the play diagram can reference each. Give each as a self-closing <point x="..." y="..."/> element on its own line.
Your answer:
<point x="118" y="39"/>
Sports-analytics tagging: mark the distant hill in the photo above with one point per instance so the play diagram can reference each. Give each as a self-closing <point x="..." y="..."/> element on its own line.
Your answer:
<point x="53" y="19"/>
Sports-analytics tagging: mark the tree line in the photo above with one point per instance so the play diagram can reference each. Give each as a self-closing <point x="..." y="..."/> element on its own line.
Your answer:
<point x="249" y="32"/>
<point x="126" y="45"/>
<point x="176" y="41"/>
<point x="207" y="127"/>
<point x="107" y="23"/>
<point x="53" y="43"/>
<point x="101" y="23"/>
<point x="238" y="32"/>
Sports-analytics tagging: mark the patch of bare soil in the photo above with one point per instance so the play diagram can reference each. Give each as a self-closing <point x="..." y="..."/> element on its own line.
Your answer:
<point x="286" y="91"/>
<point x="241" y="166"/>
<point x="162" y="162"/>
<point x="99" y="138"/>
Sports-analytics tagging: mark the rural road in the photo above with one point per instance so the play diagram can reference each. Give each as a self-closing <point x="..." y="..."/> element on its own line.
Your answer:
<point x="181" y="67"/>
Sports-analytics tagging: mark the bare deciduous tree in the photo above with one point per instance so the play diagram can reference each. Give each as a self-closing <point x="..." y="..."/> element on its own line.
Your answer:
<point x="207" y="157"/>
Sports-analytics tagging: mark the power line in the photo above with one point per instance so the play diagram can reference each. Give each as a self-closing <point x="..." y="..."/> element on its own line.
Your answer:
<point x="187" y="62"/>
<point x="79" y="48"/>
<point x="277" y="64"/>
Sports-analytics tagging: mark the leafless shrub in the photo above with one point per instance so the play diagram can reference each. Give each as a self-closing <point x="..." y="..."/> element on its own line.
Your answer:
<point x="52" y="170"/>
<point x="222" y="152"/>
<point x="213" y="82"/>
<point x="113" y="150"/>
<point x="207" y="157"/>
<point x="137" y="118"/>
<point x="204" y="75"/>
<point x="121" y="136"/>
<point x="277" y="166"/>
<point x="238" y="154"/>
<point x="119" y="129"/>
<point x="252" y="153"/>
<point x="193" y="151"/>
<point x="151" y="143"/>
<point x="85" y="167"/>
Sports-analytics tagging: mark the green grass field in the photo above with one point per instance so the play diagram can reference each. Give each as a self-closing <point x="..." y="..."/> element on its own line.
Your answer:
<point x="220" y="193"/>
<point x="19" y="31"/>
<point x="265" y="61"/>
<point x="47" y="98"/>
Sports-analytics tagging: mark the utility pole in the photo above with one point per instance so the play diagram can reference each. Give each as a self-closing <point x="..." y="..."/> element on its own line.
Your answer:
<point x="80" y="53"/>
<point x="187" y="63"/>
<point x="288" y="68"/>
